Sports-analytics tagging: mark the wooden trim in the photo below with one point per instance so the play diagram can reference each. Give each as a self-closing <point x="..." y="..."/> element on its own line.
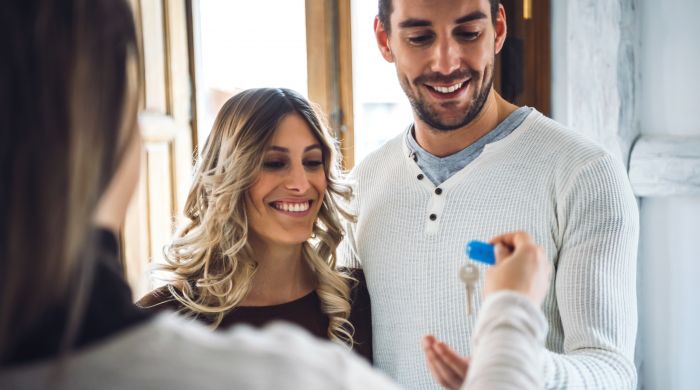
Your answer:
<point x="541" y="56"/>
<point x="167" y="57"/>
<point x="165" y="125"/>
<point x="534" y="33"/>
<point x="138" y="20"/>
<point x="329" y="68"/>
<point x="318" y="53"/>
<point x="347" y="129"/>
<point x="154" y="55"/>
<point x="180" y="97"/>
<point x="191" y="53"/>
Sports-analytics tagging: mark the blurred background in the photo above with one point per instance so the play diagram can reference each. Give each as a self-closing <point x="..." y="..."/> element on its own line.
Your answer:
<point x="622" y="72"/>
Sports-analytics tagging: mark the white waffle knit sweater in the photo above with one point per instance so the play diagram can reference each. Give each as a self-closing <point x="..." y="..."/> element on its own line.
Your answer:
<point x="571" y="195"/>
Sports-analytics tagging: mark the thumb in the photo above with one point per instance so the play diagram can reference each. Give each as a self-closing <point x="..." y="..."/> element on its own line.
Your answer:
<point x="501" y="252"/>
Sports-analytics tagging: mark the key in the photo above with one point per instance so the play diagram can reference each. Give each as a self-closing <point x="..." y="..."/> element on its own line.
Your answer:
<point x="469" y="273"/>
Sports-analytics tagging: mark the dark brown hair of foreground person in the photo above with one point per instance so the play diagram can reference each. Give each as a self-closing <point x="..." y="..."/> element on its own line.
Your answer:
<point x="66" y="113"/>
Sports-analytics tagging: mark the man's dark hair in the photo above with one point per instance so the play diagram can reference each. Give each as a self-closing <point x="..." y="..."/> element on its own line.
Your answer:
<point x="385" y="10"/>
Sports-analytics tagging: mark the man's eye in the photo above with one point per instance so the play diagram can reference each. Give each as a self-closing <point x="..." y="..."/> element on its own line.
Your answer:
<point x="468" y="35"/>
<point x="273" y="165"/>
<point x="420" y="40"/>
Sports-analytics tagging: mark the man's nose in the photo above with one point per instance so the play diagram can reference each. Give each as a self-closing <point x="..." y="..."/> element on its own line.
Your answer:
<point x="446" y="57"/>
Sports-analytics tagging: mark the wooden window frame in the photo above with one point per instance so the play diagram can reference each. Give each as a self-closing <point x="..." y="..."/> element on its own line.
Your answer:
<point x="329" y="68"/>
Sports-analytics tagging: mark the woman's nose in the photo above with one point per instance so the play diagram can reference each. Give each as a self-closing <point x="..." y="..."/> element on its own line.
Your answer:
<point x="297" y="180"/>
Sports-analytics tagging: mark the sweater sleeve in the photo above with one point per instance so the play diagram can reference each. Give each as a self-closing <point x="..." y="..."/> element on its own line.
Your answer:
<point x="595" y="281"/>
<point x="298" y="361"/>
<point x="508" y="344"/>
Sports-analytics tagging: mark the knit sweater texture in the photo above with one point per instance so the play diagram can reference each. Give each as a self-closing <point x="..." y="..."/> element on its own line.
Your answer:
<point x="572" y="196"/>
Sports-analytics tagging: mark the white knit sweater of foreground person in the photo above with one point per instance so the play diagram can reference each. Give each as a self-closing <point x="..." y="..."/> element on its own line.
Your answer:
<point x="573" y="197"/>
<point x="170" y="352"/>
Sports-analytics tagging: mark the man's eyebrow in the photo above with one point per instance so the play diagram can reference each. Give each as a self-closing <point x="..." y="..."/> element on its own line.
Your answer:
<point x="476" y="15"/>
<point x="409" y="23"/>
<point x="413" y="22"/>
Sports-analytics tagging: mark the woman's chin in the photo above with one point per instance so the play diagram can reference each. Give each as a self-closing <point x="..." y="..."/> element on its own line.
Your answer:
<point x="295" y="238"/>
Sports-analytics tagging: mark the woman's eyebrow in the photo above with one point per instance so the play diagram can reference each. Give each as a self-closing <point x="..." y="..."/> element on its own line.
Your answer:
<point x="282" y="149"/>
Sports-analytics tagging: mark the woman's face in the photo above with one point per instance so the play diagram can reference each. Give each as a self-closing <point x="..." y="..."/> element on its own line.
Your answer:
<point x="283" y="204"/>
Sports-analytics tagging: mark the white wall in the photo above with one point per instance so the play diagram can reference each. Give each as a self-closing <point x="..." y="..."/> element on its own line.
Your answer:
<point x="669" y="262"/>
<point x="651" y="48"/>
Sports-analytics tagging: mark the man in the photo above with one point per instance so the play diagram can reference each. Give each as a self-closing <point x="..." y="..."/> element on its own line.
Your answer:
<point x="472" y="165"/>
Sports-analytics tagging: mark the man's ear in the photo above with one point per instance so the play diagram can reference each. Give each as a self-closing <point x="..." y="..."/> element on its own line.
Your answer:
<point x="382" y="40"/>
<point x="501" y="28"/>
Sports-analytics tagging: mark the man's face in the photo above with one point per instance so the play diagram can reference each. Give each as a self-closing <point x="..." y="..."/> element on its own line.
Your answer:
<point x="444" y="53"/>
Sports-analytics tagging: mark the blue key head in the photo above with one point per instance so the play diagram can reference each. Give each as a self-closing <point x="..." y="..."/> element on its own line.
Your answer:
<point x="482" y="252"/>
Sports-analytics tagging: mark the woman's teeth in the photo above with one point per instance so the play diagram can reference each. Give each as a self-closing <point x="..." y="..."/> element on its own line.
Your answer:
<point x="292" y="207"/>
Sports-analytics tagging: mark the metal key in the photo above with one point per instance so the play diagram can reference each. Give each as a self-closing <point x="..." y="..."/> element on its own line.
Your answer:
<point x="469" y="273"/>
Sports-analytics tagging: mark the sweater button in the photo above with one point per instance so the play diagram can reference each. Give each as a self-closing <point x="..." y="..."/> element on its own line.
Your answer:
<point x="420" y="176"/>
<point x="438" y="190"/>
<point x="433" y="217"/>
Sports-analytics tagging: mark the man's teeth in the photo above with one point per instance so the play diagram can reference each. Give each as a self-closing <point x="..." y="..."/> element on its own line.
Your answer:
<point x="449" y="89"/>
<point x="292" y="207"/>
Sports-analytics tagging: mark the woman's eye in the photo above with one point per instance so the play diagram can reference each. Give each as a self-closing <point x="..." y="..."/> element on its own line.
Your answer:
<point x="420" y="40"/>
<point x="313" y="164"/>
<point x="273" y="165"/>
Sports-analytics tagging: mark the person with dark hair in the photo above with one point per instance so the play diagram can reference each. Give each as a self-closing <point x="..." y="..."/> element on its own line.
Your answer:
<point x="469" y="166"/>
<point x="69" y="163"/>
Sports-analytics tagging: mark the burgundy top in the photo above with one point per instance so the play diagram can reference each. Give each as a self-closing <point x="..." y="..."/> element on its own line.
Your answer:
<point x="305" y="312"/>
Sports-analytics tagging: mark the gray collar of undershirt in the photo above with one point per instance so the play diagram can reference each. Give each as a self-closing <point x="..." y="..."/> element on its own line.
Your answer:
<point x="439" y="169"/>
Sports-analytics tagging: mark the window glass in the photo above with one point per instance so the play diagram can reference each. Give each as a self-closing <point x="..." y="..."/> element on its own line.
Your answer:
<point x="246" y="44"/>
<point x="381" y="109"/>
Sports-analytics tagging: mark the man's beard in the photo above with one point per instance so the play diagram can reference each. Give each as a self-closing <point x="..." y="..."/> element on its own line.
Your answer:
<point x="431" y="117"/>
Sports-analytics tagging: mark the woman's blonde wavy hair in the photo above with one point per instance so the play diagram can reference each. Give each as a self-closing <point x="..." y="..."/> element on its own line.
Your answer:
<point x="210" y="260"/>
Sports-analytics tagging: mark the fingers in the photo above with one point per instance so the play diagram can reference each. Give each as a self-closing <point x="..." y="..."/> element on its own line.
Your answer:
<point x="458" y="364"/>
<point x="517" y="243"/>
<point x="501" y="252"/>
<point x="442" y="375"/>
<point x="524" y="270"/>
<point x="512" y="239"/>
<point x="447" y="367"/>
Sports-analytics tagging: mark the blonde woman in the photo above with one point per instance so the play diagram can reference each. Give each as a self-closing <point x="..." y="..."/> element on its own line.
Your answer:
<point x="265" y="226"/>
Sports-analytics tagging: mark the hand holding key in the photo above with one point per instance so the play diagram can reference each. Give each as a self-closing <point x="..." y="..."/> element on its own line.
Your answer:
<point x="521" y="266"/>
<point x="525" y="268"/>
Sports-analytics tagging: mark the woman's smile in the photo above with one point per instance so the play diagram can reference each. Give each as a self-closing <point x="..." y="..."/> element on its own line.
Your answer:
<point x="293" y="207"/>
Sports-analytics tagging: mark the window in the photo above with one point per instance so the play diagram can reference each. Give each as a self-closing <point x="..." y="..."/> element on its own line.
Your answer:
<point x="241" y="45"/>
<point x="381" y="109"/>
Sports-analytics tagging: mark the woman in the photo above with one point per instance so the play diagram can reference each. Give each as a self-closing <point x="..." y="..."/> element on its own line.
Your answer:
<point x="263" y="210"/>
<point x="69" y="162"/>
